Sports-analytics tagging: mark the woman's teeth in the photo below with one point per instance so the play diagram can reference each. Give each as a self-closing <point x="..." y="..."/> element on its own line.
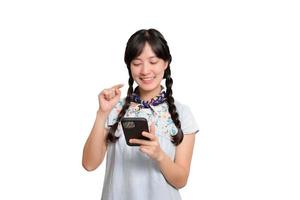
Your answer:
<point x="147" y="79"/>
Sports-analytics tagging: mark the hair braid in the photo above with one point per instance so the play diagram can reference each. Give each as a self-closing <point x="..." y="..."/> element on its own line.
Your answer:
<point x="176" y="139"/>
<point x="111" y="134"/>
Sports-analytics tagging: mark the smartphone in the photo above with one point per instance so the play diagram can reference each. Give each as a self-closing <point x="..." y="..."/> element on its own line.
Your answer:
<point x="133" y="128"/>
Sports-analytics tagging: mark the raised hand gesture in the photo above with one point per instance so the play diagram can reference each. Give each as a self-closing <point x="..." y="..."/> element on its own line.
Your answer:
<point x="109" y="97"/>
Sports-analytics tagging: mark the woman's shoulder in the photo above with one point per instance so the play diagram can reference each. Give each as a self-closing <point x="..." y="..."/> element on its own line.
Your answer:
<point x="188" y="122"/>
<point x="181" y="106"/>
<point x="183" y="109"/>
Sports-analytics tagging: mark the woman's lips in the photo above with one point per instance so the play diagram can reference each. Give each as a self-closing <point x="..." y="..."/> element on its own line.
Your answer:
<point x="147" y="80"/>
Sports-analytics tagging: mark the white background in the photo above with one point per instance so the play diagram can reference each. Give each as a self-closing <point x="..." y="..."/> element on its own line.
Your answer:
<point x="235" y="63"/>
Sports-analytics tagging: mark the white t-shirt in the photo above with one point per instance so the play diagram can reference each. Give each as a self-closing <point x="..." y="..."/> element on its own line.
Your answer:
<point x="132" y="175"/>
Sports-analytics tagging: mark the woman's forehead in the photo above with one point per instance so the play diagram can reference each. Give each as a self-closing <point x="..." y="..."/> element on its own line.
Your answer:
<point x="147" y="52"/>
<point x="142" y="58"/>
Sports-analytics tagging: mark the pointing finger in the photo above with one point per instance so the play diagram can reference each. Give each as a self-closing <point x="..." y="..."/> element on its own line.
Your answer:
<point x="117" y="86"/>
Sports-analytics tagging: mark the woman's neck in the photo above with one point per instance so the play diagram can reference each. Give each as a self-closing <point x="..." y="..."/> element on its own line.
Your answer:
<point x="148" y="95"/>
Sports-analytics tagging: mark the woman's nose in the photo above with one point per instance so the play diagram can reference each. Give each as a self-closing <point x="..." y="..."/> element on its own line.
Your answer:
<point x="145" y="68"/>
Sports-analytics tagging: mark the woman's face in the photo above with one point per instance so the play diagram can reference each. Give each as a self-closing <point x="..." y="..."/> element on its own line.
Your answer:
<point x="147" y="70"/>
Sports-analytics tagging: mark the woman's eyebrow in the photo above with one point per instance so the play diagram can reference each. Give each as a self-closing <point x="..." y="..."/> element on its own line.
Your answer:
<point x="137" y="59"/>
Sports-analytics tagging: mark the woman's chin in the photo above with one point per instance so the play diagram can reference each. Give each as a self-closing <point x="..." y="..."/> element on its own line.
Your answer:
<point x="148" y="87"/>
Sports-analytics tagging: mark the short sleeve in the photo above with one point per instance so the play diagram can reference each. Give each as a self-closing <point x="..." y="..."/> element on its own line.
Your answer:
<point x="187" y="119"/>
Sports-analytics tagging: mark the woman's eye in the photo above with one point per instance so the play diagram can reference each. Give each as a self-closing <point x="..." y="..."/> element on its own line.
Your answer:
<point x="154" y="62"/>
<point x="136" y="64"/>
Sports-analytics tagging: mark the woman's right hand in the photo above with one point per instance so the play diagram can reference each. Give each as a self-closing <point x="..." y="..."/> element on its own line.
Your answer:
<point x="109" y="97"/>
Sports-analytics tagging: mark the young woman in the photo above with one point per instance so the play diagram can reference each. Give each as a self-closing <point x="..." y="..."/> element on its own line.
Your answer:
<point x="158" y="167"/>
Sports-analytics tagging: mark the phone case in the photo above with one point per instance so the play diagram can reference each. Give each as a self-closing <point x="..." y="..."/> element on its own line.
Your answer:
<point x="133" y="128"/>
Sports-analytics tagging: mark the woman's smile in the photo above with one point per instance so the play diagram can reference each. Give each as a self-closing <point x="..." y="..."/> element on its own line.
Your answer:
<point x="147" y="80"/>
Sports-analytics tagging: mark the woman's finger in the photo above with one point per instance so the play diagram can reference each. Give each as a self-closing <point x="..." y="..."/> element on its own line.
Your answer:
<point x="141" y="142"/>
<point x="145" y="149"/>
<point x="151" y="136"/>
<point x="118" y="92"/>
<point x="118" y="86"/>
<point x="111" y="93"/>
<point x="104" y="94"/>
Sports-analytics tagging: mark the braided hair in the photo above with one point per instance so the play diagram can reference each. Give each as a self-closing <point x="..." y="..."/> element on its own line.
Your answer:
<point x="133" y="49"/>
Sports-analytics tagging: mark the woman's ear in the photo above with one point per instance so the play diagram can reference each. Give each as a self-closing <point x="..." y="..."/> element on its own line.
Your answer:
<point x="165" y="69"/>
<point x="166" y="65"/>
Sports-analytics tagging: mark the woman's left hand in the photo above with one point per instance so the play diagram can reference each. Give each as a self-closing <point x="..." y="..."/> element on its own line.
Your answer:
<point x="150" y="147"/>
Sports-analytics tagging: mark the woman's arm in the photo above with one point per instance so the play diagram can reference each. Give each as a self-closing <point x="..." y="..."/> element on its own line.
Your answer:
<point x="95" y="146"/>
<point x="177" y="172"/>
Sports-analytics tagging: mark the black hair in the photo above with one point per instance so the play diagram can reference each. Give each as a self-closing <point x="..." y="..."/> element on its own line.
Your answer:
<point x="160" y="47"/>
